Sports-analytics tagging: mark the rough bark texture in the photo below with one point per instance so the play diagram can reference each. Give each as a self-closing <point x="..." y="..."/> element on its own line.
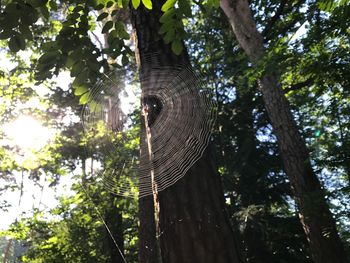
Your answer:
<point x="147" y="231"/>
<point x="314" y="214"/>
<point x="194" y="225"/>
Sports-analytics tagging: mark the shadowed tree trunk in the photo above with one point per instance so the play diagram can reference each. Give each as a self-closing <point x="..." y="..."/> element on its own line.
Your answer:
<point x="114" y="217"/>
<point x="314" y="214"/>
<point x="193" y="222"/>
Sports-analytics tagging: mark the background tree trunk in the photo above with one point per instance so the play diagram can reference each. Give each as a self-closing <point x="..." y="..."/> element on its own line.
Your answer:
<point x="193" y="222"/>
<point x="314" y="213"/>
<point x="114" y="220"/>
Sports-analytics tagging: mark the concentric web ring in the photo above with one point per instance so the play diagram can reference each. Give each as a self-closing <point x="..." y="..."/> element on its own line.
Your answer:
<point x="182" y="114"/>
<point x="108" y="128"/>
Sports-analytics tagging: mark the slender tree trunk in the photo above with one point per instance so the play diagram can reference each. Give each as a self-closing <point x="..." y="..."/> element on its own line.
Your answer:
<point x="7" y="251"/>
<point x="314" y="214"/>
<point x="193" y="222"/>
<point x="114" y="219"/>
<point x="255" y="246"/>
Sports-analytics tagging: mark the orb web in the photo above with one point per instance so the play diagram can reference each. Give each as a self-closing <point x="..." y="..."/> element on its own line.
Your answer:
<point x="181" y="130"/>
<point x="182" y="114"/>
<point x="108" y="127"/>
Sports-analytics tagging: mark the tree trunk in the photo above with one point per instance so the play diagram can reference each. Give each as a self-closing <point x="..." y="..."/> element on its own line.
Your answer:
<point x="314" y="214"/>
<point x="247" y="165"/>
<point x="6" y="255"/>
<point x="193" y="222"/>
<point x="114" y="220"/>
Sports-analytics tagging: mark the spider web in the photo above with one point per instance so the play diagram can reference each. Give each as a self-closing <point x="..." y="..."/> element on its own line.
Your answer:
<point x="183" y="111"/>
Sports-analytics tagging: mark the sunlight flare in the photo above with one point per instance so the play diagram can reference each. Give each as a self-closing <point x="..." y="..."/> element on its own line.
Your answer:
<point x="27" y="133"/>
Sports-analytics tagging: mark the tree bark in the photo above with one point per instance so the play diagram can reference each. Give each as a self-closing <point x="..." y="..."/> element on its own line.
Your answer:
<point x="193" y="222"/>
<point x="314" y="213"/>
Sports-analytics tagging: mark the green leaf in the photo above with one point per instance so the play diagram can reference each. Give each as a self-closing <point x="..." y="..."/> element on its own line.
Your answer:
<point x="120" y="29"/>
<point x="49" y="46"/>
<point x="135" y="3"/>
<point x="43" y="75"/>
<point x="167" y="15"/>
<point x="166" y="27"/>
<point x="14" y="44"/>
<point x="119" y="26"/>
<point x="113" y="39"/>
<point x="53" y="5"/>
<point x="169" y="36"/>
<point x="94" y="106"/>
<point x="76" y="55"/>
<point x="85" y="98"/>
<point x="216" y="3"/>
<point x="45" y="12"/>
<point x="102" y="16"/>
<point x="83" y="26"/>
<point x="115" y="54"/>
<point x="26" y="32"/>
<point x="49" y="57"/>
<point x="212" y="4"/>
<point x="12" y="9"/>
<point x="109" y="4"/>
<point x="125" y="60"/>
<point x="125" y="3"/>
<point x="44" y="69"/>
<point x="147" y="4"/>
<point x="6" y="34"/>
<point x="29" y="16"/>
<point x="107" y="27"/>
<point x="11" y="20"/>
<point x="79" y="90"/>
<point x="67" y="30"/>
<point x="177" y="47"/>
<point x="84" y="19"/>
<point x="124" y="35"/>
<point x="73" y="16"/>
<point x="99" y="7"/>
<point x="185" y="7"/>
<point x="70" y="62"/>
<point x="77" y="68"/>
<point x="113" y="34"/>
<point x="78" y="8"/>
<point x="80" y="79"/>
<point x="344" y="2"/>
<point x="168" y="4"/>
<point x="94" y="65"/>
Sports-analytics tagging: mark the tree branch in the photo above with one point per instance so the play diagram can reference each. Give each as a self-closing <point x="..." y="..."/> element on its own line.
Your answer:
<point x="273" y="19"/>
<point x="299" y="85"/>
<point x="267" y="33"/>
<point x="97" y="39"/>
